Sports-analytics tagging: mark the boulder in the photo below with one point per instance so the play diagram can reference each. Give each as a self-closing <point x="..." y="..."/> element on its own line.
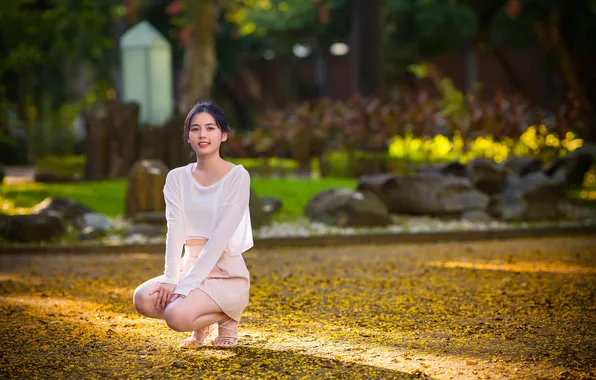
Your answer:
<point x="68" y="209"/>
<point x="454" y="168"/>
<point x="486" y="175"/>
<point x="146" y="180"/>
<point x="348" y="208"/>
<point x="258" y="215"/>
<point x="90" y="233"/>
<point x="271" y="205"/>
<point x="148" y="230"/>
<point x="476" y="216"/>
<point x="32" y="228"/>
<point x="533" y="197"/>
<point x="521" y="166"/>
<point x="494" y="206"/>
<point x="93" y="219"/>
<point x="574" y="165"/>
<point x="426" y="194"/>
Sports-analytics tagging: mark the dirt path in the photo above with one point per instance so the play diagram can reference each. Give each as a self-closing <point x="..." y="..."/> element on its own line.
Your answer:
<point x="490" y="310"/>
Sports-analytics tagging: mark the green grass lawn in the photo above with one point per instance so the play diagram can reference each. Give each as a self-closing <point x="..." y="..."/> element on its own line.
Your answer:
<point x="107" y="197"/>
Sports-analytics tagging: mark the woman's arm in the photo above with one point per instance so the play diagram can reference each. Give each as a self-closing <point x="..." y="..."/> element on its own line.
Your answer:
<point x="233" y="208"/>
<point x="176" y="233"/>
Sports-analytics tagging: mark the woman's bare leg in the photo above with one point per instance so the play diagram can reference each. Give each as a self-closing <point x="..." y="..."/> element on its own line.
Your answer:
<point x="193" y="313"/>
<point x="145" y="303"/>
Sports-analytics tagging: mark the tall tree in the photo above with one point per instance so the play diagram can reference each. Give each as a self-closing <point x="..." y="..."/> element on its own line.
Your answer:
<point x="198" y="20"/>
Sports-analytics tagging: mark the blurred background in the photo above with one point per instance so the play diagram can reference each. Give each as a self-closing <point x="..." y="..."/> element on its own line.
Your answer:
<point x="317" y="89"/>
<point x="301" y="70"/>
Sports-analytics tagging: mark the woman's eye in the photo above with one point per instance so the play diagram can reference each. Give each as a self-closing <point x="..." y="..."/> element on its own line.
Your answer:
<point x="211" y="128"/>
<point x="194" y="129"/>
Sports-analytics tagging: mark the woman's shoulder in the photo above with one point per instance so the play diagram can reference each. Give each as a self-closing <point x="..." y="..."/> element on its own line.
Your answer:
<point x="176" y="173"/>
<point x="238" y="171"/>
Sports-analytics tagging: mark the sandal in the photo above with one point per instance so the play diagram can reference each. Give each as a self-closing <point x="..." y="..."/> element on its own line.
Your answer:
<point x="226" y="340"/>
<point x="192" y="342"/>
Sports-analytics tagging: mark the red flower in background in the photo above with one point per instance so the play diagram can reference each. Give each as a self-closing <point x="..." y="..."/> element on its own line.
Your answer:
<point x="174" y="7"/>
<point x="513" y="8"/>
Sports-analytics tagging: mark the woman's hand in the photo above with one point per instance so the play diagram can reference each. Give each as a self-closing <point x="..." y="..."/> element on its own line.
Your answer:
<point x="164" y="296"/>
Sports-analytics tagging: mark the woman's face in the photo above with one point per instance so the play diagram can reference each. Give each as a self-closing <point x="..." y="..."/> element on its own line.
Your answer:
<point x="204" y="134"/>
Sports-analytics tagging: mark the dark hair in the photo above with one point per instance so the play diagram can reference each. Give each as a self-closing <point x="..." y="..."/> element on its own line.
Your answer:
<point x="213" y="110"/>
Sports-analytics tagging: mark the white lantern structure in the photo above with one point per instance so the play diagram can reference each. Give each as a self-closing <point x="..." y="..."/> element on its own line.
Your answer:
<point x="147" y="73"/>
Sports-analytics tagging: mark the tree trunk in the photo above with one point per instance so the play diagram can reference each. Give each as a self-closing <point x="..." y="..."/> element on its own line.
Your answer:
<point x="514" y="79"/>
<point x="200" y="60"/>
<point x="320" y="68"/>
<point x="549" y="35"/>
<point x="366" y="35"/>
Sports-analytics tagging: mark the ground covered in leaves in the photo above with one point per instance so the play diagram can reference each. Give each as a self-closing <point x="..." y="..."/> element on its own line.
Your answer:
<point x="511" y="309"/>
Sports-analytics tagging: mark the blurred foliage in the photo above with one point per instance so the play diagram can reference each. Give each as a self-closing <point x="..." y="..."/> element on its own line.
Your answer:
<point x="63" y="165"/>
<point x="534" y="142"/>
<point x="415" y="129"/>
<point x="57" y="58"/>
<point x="289" y="20"/>
<point x="45" y="44"/>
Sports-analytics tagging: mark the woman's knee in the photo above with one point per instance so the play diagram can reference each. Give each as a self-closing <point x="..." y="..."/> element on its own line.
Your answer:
<point x="177" y="319"/>
<point x="142" y="301"/>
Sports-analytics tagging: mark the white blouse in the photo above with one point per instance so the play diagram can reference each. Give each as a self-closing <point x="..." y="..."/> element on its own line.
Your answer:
<point x="218" y="212"/>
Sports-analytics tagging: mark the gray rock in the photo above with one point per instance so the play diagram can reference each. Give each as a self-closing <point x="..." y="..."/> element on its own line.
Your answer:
<point x="533" y="197"/>
<point x="494" y="205"/>
<point x="32" y="228"/>
<point x="348" y="208"/>
<point x="574" y="166"/>
<point x="426" y="194"/>
<point x="148" y="230"/>
<point x="271" y="205"/>
<point x="258" y="216"/>
<point x="454" y="168"/>
<point x="521" y="166"/>
<point x="486" y="175"/>
<point x="93" y="219"/>
<point x="476" y="216"/>
<point x="90" y="233"/>
<point x="150" y="217"/>
<point x="67" y="208"/>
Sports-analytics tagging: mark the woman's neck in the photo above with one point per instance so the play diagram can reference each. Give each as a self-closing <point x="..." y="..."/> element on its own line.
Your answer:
<point x="208" y="163"/>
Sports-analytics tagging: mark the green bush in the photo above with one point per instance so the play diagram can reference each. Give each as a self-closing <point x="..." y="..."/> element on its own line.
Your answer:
<point x="68" y="165"/>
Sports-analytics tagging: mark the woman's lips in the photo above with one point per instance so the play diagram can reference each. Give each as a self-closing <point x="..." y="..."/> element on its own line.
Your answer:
<point x="203" y="145"/>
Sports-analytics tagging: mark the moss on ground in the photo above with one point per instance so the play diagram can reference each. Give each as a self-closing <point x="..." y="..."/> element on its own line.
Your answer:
<point x="514" y="309"/>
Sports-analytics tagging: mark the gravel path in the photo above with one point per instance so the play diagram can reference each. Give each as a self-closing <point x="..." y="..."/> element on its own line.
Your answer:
<point x="514" y="309"/>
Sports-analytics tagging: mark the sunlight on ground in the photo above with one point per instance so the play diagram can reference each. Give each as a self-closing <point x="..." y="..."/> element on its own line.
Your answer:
<point x="442" y="311"/>
<point x="527" y="266"/>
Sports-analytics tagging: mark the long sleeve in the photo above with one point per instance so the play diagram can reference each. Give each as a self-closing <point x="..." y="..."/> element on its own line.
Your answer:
<point x="176" y="233"/>
<point x="234" y="206"/>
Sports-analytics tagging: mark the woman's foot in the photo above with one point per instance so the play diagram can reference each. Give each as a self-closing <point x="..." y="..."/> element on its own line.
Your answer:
<point x="198" y="338"/>
<point x="228" y="334"/>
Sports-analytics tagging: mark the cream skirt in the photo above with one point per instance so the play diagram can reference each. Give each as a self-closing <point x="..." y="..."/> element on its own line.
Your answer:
<point x="228" y="283"/>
